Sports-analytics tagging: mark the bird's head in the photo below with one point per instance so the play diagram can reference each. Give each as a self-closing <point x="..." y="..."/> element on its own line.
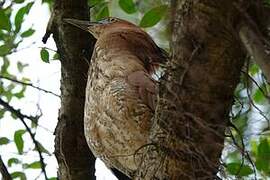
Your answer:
<point x="118" y="34"/>
<point x="98" y="28"/>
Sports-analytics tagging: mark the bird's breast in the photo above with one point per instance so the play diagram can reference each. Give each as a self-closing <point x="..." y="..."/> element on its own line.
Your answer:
<point x="117" y="121"/>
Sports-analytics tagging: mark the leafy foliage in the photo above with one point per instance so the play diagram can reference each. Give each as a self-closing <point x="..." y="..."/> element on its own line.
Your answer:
<point x="20" y="15"/>
<point x="19" y="140"/>
<point x="12" y="83"/>
<point x="33" y="165"/>
<point x="5" y="22"/>
<point x="44" y="54"/>
<point x="128" y="6"/>
<point x="18" y="174"/>
<point x="239" y="169"/>
<point x="249" y="153"/>
<point x="262" y="161"/>
<point x="13" y="161"/>
<point x="27" y="33"/>
<point x="153" y="16"/>
<point x="4" y="140"/>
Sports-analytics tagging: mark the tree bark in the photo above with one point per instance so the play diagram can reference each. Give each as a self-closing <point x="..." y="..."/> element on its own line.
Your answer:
<point x="75" y="47"/>
<point x="196" y="92"/>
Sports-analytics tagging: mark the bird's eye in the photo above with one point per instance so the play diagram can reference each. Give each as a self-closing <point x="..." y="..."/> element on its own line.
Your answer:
<point x="108" y="20"/>
<point x="112" y="19"/>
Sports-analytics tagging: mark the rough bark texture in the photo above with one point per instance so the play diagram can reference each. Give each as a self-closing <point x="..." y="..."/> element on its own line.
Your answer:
<point x="196" y="93"/>
<point x="75" y="160"/>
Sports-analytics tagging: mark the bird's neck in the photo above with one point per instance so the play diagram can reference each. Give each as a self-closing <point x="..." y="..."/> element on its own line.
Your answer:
<point x="131" y="47"/>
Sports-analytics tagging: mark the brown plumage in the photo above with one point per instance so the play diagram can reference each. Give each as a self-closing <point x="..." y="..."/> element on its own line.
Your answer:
<point x="120" y="92"/>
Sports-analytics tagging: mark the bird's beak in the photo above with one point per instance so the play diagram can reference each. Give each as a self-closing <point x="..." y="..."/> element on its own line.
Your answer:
<point x="84" y="25"/>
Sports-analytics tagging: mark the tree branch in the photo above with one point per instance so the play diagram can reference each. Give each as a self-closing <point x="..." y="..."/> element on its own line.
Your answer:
<point x="254" y="41"/>
<point x="28" y="129"/>
<point x="29" y="84"/>
<point x="4" y="170"/>
<point x="74" y="157"/>
<point x="255" y="48"/>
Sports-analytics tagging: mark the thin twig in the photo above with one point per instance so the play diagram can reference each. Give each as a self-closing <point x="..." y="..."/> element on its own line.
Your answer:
<point x="29" y="84"/>
<point x="262" y="114"/>
<point x="23" y="48"/>
<point x="251" y="100"/>
<point x="254" y="42"/>
<point x="32" y="135"/>
<point x="50" y="49"/>
<point x="256" y="83"/>
<point x="4" y="171"/>
<point x="2" y="3"/>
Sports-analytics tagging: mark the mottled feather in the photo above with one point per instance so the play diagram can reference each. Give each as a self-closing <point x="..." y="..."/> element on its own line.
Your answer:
<point x="121" y="94"/>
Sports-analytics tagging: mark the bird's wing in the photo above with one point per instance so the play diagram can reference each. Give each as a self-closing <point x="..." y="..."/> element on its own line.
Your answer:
<point x="146" y="85"/>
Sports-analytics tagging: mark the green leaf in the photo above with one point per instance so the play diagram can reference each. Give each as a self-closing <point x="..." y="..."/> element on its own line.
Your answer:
<point x="56" y="56"/>
<point x="263" y="156"/>
<point x="34" y="165"/>
<point x="20" y="15"/>
<point x="19" y="140"/>
<point x="245" y="171"/>
<point x="18" y="1"/>
<point x="234" y="169"/>
<point x="153" y="16"/>
<point x="53" y="178"/>
<point x="233" y="156"/>
<point x="128" y="6"/>
<point x="13" y="115"/>
<point x="34" y="123"/>
<point x="92" y="3"/>
<point x="28" y="33"/>
<point x="4" y="140"/>
<point x="26" y="80"/>
<point x="21" y="66"/>
<point x="253" y="147"/>
<point x="241" y="123"/>
<point x="8" y="91"/>
<point x="44" y="54"/>
<point x="4" y="50"/>
<point x="267" y="2"/>
<point x="42" y="149"/>
<point x="261" y="164"/>
<point x="46" y="1"/>
<point x="104" y="12"/>
<point x="264" y="149"/>
<point x="18" y="174"/>
<point x="13" y="161"/>
<point x="2" y="35"/>
<point x="258" y="96"/>
<point x="20" y="94"/>
<point x="254" y="69"/>
<point x="4" y="21"/>
<point x="2" y="112"/>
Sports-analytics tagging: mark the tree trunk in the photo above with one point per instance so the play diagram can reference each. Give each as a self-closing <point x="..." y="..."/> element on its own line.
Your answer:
<point x="196" y="92"/>
<point x="75" y="47"/>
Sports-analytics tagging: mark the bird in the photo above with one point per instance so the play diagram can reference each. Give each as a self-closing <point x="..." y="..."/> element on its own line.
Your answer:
<point x="121" y="93"/>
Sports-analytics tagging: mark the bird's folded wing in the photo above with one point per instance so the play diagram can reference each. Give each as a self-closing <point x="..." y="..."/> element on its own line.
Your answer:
<point x="146" y="86"/>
